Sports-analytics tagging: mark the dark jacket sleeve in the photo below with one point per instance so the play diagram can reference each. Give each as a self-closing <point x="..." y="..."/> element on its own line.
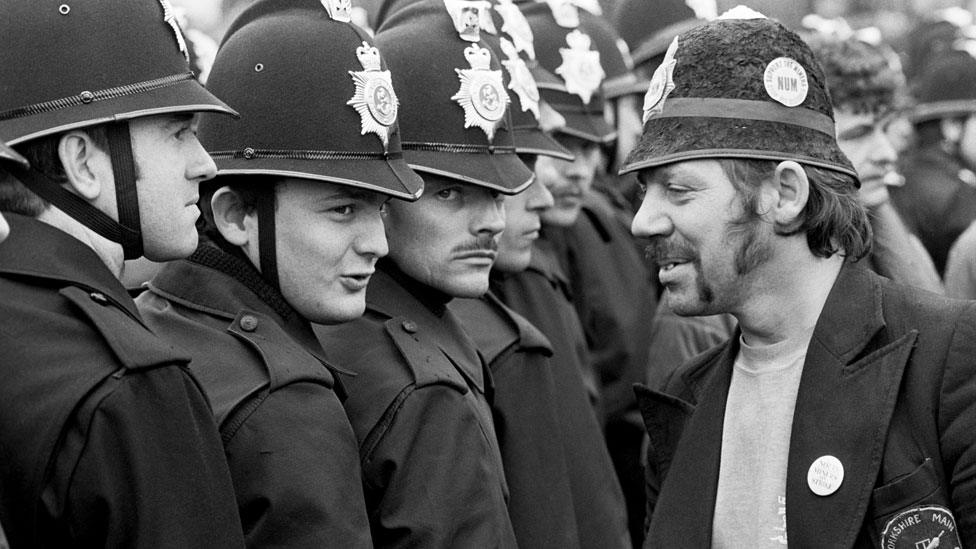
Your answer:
<point x="296" y="469"/>
<point x="150" y="469"/>
<point x="430" y="477"/>
<point x="957" y="418"/>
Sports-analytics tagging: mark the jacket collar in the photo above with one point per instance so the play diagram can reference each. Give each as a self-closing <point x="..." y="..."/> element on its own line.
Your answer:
<point x="39" y="250"/>
<point x="221" y="284"/>
<point x="387" y="295"/>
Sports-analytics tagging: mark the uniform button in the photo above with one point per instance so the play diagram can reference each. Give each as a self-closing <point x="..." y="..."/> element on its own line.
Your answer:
<point x="409" y="326"/>
<point x="249" y="153"/>
<point x="87" y="97"/>
<point x="99" y="297"/>
<point x="249" y="323"/>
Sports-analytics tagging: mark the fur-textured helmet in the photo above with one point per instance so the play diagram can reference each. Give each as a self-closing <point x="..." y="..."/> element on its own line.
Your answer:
<point x="742" y="86"/>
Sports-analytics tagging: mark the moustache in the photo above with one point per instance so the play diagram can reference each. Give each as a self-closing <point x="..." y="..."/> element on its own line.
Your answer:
<point x="661" y="249"/>
<point x="483" y="243"/>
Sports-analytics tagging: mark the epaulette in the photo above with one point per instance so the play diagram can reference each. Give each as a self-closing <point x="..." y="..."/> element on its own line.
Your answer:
<point x="426" y="361"/>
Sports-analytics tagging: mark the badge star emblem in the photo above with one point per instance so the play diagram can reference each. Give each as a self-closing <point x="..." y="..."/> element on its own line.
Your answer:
<point x="581" y="69"/>
<point x="662" y="83"/>
<point x="565" y="13"/>
<point x="521" y="81"/>
<point x="374" y="99"/>
<point x="470" y="17"/>
<point x="516" y="27"/>
<point x="482" y="93"/>
<point x="339" y="10"/>
<point x="169" y="16"/>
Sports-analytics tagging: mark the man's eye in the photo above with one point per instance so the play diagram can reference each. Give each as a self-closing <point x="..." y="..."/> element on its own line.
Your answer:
<point x="345" y="209"/>
<point x="448" y="193"/>
<point x="641" y="191"/>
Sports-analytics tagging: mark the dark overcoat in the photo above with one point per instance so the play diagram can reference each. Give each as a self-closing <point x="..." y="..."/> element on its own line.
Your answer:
<point x="106" y="439"/>
<point x="292" y="453"/>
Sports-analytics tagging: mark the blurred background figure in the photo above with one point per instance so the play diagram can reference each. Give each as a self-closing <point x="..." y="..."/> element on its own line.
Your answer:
<point x="938" y="200"/>
<point x="867" y="87"/>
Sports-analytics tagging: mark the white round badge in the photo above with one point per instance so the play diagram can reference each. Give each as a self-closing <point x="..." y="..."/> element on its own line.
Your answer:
<point x="786" y="81"/>
<point x="825" y="475"/>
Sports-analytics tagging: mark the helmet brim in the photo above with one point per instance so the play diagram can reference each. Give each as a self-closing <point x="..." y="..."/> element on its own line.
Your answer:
<point x="184" y="96"/>
<point x="498" y="171"/>
<point x="391" y="177"/>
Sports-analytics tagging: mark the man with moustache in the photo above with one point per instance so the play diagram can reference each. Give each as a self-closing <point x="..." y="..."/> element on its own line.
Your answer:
<point x="841" y="412"/>
<point x="292" y="235"/>
<point x="864" y="87"/>
<point x="420" y="401"/>
<point x="108" y="440"/>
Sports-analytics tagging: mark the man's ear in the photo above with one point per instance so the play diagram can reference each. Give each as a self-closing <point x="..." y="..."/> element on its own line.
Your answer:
<point x="235" y="223"/>
<point x="791" y="192"/>
<point x="88" y="168"/>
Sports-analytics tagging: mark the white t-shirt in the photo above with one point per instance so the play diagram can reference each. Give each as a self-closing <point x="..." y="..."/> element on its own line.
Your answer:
<point x="750" y="506"/>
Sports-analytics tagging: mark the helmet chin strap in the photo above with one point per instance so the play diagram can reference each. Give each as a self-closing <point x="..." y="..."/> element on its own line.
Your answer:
<point x="266" y="236"/>
<point x="126" y="231"/>
<point x="126" y="193"/>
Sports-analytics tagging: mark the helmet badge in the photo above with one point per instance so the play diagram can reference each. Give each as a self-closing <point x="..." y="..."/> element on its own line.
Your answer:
<point x="517" y="27"/>
<point x="521" y="81"/>
<point x="374" y="99"/>
<point x="581" y="69"/>
<point x="565" y="13"/>
<point x="482" y="94"/>
<point x="662" y="83"/>
<point x="169" y="16"/>
<point x="470" y="17"/>
<point x="339" y="10"/>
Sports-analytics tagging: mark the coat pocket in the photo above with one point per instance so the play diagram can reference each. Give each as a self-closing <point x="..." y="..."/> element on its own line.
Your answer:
<point x="913" y="511"/>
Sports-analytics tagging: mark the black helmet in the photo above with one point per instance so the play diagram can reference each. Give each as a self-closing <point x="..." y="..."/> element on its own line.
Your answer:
<point x="69" y="64"/>
<point x="455" y="117"/>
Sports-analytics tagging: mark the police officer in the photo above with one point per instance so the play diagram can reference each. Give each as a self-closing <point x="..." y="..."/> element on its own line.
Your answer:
<point x="107" y="438"/>
<point x="938" y="200"/>
<point x="294" y="223"/>
<point x="420" y="401"/>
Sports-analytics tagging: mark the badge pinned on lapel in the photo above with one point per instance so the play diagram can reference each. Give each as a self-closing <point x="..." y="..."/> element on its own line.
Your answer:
<point x="581" y="69"/>
<point x="922" y="527"/>
<point x="516" y="26"/>
<point x="662" y="83"/>
<point x="374" y="99"/>
<point x="482" y="94"/>
<point x="169" y="16"/>
<point x="521" y="81"/>
<point x="825" y="475"/>
<point x="339" y="10"/>
<point x="470" y="17"/>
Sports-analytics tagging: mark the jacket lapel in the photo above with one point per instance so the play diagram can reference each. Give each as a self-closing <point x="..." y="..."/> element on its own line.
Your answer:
<point x="683" y="514"/>
<point x="843" y="409"/>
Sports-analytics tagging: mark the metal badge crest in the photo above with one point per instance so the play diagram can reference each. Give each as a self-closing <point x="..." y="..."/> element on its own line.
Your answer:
<point x="482" y="94"/>
<point x="169" y="16"/>
<point x="515" y="25"/>
<point x="662" y="83"/>
<point x="339" y="10"/>
<point x="565" y="13"/>
<point x="521" y="81"/>
<point x="470" y="18"/>
<point x="581" y="69"/>
<point x="374" y="99"/>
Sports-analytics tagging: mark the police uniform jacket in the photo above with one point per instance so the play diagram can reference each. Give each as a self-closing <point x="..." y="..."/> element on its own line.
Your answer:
<point x="615" y="300"/>
<point x="938" y="200"/>
<point x="888" y="388"/>
<point x="292" y="453"/>
<point x="527" y="422"/>
<point x="106" y="440"/>
<point x="541" y="294"/>
<point x="432" y="470"/>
